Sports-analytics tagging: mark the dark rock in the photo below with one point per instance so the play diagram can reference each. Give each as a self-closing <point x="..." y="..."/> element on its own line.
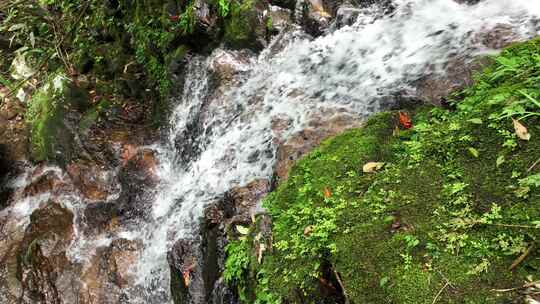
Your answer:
<point x="280" y="18"/>
<point x="434" y="89"/>
<point x="93" y="183"/>
<point x="313" y="15"/>
<point x="137" y="178"/>
<point x="42" y="256"/>
<point x="287" y="4"/>
<point x="196" y="264"/>
<point x="43" y="180"/>
<point x="100" y="217"/>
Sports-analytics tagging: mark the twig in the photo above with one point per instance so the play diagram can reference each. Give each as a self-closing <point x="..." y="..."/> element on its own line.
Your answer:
<point x="508" y="289"/>
<point x="342" y="287"/>
<point x="446" y="279"/>
<point x="533" y="165"/>
<point x="522" y="257"/>
<point x="439" y="293"/>
<point x="510" y="225"/>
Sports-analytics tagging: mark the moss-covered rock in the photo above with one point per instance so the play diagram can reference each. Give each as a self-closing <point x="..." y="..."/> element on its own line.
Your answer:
<point x="452" y="217"/>
<point x="245" y="27"/>
<point x="50" y="116"/>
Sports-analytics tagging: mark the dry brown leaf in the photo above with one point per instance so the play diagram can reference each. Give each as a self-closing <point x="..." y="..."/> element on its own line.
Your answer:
<point x="308" y="230"/>
<point x="521" y="130"/>
<point x="372" y="167"/>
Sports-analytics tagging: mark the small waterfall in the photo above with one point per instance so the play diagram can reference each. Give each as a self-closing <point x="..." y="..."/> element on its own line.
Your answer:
<point x="221" y="132"/>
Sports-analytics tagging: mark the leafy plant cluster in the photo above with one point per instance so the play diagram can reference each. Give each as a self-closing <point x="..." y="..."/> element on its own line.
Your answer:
<point x="454" y="211"/>
<point x="111" y="40"/>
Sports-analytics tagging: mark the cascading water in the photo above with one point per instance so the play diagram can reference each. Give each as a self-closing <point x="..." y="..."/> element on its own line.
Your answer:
<point x="223" y="137"/>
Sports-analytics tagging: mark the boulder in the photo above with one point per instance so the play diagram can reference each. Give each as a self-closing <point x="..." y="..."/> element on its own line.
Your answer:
<point x="279" y="18"/>
<point x="43" y="266"/>
<point x="109" y="271"/>
<point x="347" y="15"/>
<point x="196" y="264"/>
<point x="313" y="15"/>
<point x="246" y="25"/>
<point x="94" y="183"/>
<point x="46" y="180"/>
<point x="138" y="178"/>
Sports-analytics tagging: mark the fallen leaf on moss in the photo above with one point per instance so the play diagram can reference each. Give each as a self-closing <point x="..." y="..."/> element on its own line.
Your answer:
<point x="521" y="130"/>
<point x="327" y="193"/>
<point x="372" y="167"/>
<point x="405" y="120"/>
<point x="308" y="230"/>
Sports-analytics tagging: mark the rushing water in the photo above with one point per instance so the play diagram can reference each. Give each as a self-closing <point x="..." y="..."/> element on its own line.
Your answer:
<point x="221" y="140"/>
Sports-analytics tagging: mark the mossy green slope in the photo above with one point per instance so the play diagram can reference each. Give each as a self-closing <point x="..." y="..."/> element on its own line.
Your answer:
<point x="456" y="204"/>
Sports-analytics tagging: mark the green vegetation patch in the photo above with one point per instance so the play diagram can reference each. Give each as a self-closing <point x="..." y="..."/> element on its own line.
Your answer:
<point x="47" y="115"/>
<point x="453" y="215"/>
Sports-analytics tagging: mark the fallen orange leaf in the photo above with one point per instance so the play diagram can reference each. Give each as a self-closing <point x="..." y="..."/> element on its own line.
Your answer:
<point x="327" y="193"/>
<point x="404" y="120"/>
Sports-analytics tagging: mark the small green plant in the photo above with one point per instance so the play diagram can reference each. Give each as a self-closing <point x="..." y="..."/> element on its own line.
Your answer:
<point x="223" y="7"/>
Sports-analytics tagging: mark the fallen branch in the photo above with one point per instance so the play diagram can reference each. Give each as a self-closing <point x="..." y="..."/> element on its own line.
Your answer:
<point x="521" y="258"/>
<point x="533" y="165"/>
<point x="342" y="287"/>
<point x="439" y="293"/>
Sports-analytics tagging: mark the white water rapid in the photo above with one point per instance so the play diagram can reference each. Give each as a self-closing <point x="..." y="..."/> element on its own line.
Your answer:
<point x="225" y="139"/>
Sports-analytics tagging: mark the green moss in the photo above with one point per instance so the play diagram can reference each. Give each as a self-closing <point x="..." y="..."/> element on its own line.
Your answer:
<point x="51" y="139"/>
<point x="239" y="28"/>
<point x="446" y="216"/>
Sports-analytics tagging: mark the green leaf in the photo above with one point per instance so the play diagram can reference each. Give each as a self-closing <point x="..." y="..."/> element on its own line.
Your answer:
<point x="500" y="160"/>
<point x="473" y="152"/>
<point x="384" y="281"/>
<point x="476" y="121"/>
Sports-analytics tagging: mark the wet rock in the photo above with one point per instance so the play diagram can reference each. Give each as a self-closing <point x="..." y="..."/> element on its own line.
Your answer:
<point x="245" y="200"/>
<point x="434" y="89"/>
<point x="288" y="4"/>
<point x="94" y="183"/>
<point x="280" y="18"/>
<point x="100" y="217"/>
<point x="469" y="2"/>
<point x="313" y="15"/>
<point x="109" y="272"/>
<point x="321" y="126"/>
<point x="188" y="264"/>
<point x="226" y="64"/>
<point x="499" y="37"/>
<point x="42" y="260"/>
<point x="45" y="180"/>
<point x="246" y="26"/>
<point x="196" y="264"/>
<point x="346" y="15"/>
<point x="137" y="178"/>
